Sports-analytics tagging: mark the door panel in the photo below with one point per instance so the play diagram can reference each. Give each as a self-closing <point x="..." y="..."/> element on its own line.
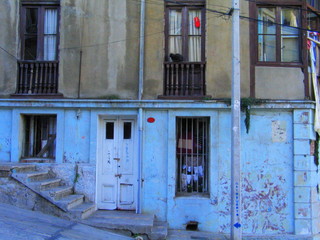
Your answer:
<point x="117" y="178"/>
<point x="126" y="194"/>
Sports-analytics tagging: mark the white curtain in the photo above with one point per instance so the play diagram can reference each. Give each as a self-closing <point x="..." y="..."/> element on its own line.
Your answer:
<point x="175" y="40"/>
<point x="50" y="34"/>
<point x="194" y="37"/>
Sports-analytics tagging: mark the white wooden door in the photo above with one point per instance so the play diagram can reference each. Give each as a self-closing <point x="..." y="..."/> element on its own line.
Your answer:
<point x="117" y="169"/>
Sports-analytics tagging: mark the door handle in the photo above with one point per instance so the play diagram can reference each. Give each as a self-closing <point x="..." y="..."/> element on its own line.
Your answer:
<point x="116" y="159"/>
<point x="118" y="175"/>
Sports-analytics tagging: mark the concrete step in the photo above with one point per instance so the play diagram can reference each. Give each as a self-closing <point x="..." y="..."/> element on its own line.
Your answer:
<point x="71" y="201"/>
<point x="37" y="176"/>
<point x="57" y="193"/>
<point x="121" y="220"/>
<point x="23" y="168"/>
<point x="159" y="230"/>
<point x="28" y="177"/>
<point x="47" y="184"/>
<point x="83" y="210"/>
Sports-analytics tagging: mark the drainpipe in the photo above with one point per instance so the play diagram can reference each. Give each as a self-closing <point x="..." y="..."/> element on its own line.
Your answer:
<point x="140" y="148"/>
<point x="141" y="53"/>
<point x="140" y="92"/>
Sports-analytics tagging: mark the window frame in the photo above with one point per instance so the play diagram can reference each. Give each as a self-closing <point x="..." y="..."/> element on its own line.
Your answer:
<point x="41" y="6"/>
<point x="200" y="150"/>
<point x="185" y="6"/>
<point x="254" y="7"/>
<point x="35" y="126"/>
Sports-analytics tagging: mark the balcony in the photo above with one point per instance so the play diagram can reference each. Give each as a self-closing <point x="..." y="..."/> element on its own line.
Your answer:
<point x="184" y="80"/>
<point x="37" y="78"/>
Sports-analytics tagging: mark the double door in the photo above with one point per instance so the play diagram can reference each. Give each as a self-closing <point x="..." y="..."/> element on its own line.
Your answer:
<point x="117" y="180"/>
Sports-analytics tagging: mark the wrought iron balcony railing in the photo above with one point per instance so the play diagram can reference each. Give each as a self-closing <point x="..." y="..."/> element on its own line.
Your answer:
<point x="37" y="77"/>
<point x="184" y="79"/>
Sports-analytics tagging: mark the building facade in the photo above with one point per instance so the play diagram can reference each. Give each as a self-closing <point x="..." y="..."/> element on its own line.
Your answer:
<point x="133" y="102"/>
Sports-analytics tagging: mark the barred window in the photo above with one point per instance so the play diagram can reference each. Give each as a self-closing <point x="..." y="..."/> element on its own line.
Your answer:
<point x="39" y="136"/>
<point x="192" y="154"/>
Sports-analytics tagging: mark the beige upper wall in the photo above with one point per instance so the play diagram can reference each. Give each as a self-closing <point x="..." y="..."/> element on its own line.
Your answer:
<point x="218" y="51"/>
<point x="9" y="51"/>
<point x="279" y="83"/>
<point x="107" y="33"/>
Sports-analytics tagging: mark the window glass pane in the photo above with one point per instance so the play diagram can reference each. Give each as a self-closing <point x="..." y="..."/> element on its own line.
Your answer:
<point x="267" y="48"/>
<point x="175" y="22"/>
<point x="109" y="130"/>
<point x="50" y="31"/>
<point x="127" y="130"/>
<point x="194" y="22"/>
<point x="312" y="19"/>
<point x="290" y="21"/>
<point x="267" y="18"/>
<point x="175" y="39"/>
<point x="290" y="49"/>
<point x="30" y="47"/>
<point x="31" y="20"/>
<point x="31" y="31"/>
<point x="175" y="44"/>
<point x="195" y="49"/>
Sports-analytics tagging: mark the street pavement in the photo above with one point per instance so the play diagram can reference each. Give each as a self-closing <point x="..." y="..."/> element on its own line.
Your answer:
<point x="21" y="224"/>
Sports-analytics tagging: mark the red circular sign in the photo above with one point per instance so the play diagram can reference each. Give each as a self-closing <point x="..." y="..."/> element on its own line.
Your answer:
<point x="151" y="120"/>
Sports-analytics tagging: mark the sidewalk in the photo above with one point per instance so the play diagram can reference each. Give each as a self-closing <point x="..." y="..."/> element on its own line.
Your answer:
<point x="21" y="224"/>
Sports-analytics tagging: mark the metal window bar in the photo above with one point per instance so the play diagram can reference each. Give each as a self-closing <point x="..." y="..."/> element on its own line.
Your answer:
<point x="192" y="154"/>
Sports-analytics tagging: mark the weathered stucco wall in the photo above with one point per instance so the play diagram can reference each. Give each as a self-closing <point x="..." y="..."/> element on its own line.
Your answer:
<point x="218" y="51"/>
<point x="107" y="33"/>
<point x="267" y="176"/>
<point x="280" y="176"/>
<point x="279" y="83"/>
<point x="8" y="41"/>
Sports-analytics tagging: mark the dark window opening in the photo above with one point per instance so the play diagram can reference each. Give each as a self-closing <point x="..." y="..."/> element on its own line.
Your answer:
<point x="109" y="130"/>
<point x="127" y="130"/>
<point x="40" y="136"/>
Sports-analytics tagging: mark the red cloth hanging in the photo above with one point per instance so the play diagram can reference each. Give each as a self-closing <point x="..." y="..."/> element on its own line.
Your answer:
<point x="196" y="22"/>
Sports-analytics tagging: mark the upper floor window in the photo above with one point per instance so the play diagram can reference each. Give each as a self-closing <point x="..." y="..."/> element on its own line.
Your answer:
<point x="184" y="67"/>
<point x="279" y="34"/>
<point x="39" y="66"/>
<point x="184" y="34"/>
<point x="39" y="32"/>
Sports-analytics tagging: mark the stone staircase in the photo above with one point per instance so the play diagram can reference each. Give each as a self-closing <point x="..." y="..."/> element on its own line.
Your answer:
<point x="47" y="185"/>
<point x="54" y="190"/>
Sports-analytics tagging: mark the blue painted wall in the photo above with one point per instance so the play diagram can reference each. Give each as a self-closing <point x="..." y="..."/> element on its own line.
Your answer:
<point x="5" y="135"/>
<point x="267" y="161"/>
<point x="267" y="172"/>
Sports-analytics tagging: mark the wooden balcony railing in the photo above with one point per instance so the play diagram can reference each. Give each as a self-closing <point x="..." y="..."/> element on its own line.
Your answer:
<point x="184" y="79"/>
<point x="37" y="77"/>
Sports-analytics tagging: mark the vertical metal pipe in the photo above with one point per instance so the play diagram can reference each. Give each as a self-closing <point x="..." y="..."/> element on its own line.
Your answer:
<point x="141" y="49"/>
<point x="140" y="149"/>
<point x="140" y="93"/>
<point x="236" y="229"/>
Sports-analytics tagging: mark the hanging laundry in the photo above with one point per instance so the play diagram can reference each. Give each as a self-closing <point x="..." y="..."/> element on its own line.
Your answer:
<point x="197" y="23"/>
